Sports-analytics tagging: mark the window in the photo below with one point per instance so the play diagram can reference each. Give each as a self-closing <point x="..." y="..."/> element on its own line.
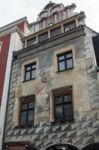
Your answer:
<point x="27" y="111"/>
<point x="30" y="71"/>
<point x="65" y="61"/>
<point x="69" y="26"/>
<point x="31" y="41"/>
<point x="43" y="37"/>
<point x="55" y="32"/>
<point x="63" y="110"/>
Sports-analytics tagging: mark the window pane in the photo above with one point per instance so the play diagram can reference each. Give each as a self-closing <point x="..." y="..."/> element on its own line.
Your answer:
<point x="67" y="98"/>
<point x="33" y="74"/>
<point x="24" y="106"/>
<point x="31" y="105"/>
<point x="30" y="117"/>
<point x="31" y="41"/>
<point x="68" y="111"/>
<point x="58" y="112"/>
<point x="33" y="66"/>
<point x="61" y="57"/>
<point x="55" y="31"/>
<point x="62" y="65"/>
<point x="68" y="55"/>
<point x="58" y="100"/>
<point x="66" y="29"/>
<point x="28" y="68"/>
<point x="27" y="76"/>
<point x="23" y="118"/>
<point x="43" y="37"/>
<point x="69" y="63"/>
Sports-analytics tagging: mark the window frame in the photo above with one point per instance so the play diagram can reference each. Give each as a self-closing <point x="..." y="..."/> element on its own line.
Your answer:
<point x="65" y="60"/>
<point x="62" y="92"/>
<point x="31" y="69"/>
<point x="26" y="100"/>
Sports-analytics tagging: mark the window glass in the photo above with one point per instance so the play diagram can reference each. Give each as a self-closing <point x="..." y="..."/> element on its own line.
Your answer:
<point x="31" y="105"/>
<point x="61" y="65"/>
<point x="27" y="76"/>
<point x="55" y="32"/>
<point x="58" y="100"/>
<point x="30" y="71"/>
<point x="68" y="111"/>
<point x="69" y="63"/>
<point x="23" y="117"/>
<point x="30" y="117"/>
<point x="43" y="37"/>
<point x="24" y="106"/>
<point x="65" y="61"/>
<point x="59" y="112"/>
<point x="67" y="98"/>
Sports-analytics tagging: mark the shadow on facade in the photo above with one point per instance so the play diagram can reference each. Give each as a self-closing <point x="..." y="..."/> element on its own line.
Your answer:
<point x="94" y="146"/>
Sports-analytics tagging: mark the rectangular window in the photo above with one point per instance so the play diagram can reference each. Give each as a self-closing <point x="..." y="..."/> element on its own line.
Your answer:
<point x="63" y="109"/>
<point x="69" y="26"/>
<point x="65" y="61"/>
<point x="43" y="37"/>
<point x="55" y="32"/>
<point x="27" y="112"/>
<point x="31" y="41"/>
<point x="30" y="71"/>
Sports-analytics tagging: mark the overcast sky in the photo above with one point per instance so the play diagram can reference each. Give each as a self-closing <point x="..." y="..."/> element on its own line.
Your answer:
<point x="11" y="10"/>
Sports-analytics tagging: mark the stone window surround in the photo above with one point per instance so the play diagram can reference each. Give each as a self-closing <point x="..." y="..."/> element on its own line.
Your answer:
<point x="30" y="61"/>
<point x="25" y="100"/>
<point x="58" y="92"/>
<point x="63" y="50"/>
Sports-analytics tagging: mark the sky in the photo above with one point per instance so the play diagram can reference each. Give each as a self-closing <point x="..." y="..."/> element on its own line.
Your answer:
<point x="12" y="10"/>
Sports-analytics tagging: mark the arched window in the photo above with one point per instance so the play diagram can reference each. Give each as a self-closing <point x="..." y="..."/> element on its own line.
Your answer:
<point x="62" y="147"/>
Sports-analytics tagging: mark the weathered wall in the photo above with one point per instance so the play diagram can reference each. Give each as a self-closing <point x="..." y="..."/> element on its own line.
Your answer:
<point x="84" y="128"/>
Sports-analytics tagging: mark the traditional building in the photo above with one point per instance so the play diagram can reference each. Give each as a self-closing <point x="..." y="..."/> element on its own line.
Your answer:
<point x="53" y="101"/>
<point x="10" y="40"/>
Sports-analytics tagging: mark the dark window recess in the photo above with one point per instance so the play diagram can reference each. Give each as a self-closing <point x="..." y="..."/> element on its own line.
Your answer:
<point x="65" y="61"/>
<point x="55" y="32"/>
<point x="69" y="26"/>
<point x="63" y="109"/>
<point x="96" y="48"/>
<point x="27" y="113"/>
<point x="43" y="37"/>
<point x="30" y="72"/>
<point x="23" y="44"/>
<point x="31" y="41"/>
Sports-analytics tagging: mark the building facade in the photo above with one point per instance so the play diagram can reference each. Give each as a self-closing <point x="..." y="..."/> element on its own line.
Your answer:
<point x="53" y="100"/>
<point x="10" y="40"/>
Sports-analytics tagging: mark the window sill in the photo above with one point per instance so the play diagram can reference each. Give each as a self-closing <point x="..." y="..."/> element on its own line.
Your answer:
<point x="62" y="121"/>
<point x="28" y="80"/>
<point x="58" y="71"/>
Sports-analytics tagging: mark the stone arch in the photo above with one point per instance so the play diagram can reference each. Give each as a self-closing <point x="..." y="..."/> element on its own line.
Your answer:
<point x="62" y="147"/>
<point x="93" y="146"/>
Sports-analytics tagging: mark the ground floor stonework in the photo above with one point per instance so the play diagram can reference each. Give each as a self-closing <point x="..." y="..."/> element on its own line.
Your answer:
<point x="72" y="136"/>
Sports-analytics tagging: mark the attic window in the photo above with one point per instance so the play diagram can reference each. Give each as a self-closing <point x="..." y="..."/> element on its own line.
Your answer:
<point x="69" y="26"/>
<point x="31" y="41"/>
<point x="55" y="32"/>
<point x="43" y="37"/>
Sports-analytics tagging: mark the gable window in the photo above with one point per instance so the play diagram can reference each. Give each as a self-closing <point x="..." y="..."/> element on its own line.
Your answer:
<point x="63" y="109"/>
<point x="43" y="37"/>
<point x="31" y="41"/>
<point x="55" y="32"/>
<point x="69" y="26"/>
<point x="30" y="71"/>
<point x="65" y="61"/>
<point x="27" y="111"/>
